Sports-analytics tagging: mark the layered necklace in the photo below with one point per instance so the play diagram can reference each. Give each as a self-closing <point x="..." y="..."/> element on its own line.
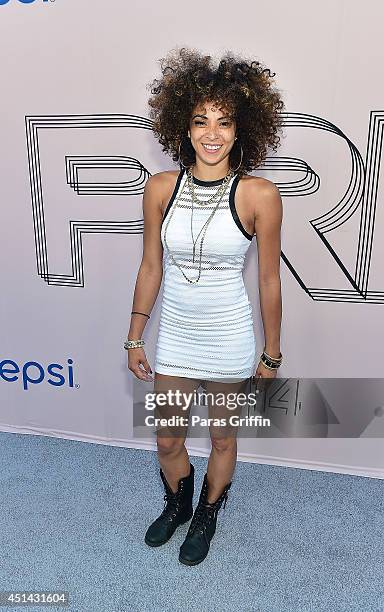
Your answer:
<point x="217" y="195"/>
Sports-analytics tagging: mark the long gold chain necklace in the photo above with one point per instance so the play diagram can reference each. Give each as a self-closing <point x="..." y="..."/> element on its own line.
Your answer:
<point x="219" y="194"/>
<point x="191" y="187"/>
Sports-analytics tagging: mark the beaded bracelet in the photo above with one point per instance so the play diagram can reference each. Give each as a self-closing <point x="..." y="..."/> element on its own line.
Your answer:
<point x="133" y="343"/>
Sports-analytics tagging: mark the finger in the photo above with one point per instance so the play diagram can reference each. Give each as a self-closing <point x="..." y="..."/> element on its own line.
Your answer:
<point x="141" y="374"/>
<point x="147" y="366"/>
<point x="144" y="373"/>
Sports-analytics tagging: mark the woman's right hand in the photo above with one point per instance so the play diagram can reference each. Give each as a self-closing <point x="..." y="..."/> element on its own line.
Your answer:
<point x="136" y="359"/>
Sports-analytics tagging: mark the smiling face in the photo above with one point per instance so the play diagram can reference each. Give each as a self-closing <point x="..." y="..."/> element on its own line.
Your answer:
<point x="212" y="131"/>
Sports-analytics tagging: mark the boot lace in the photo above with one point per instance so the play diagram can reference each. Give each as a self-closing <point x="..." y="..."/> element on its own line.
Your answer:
<point x="171" y="505"/>
<point x="205" y="513"/>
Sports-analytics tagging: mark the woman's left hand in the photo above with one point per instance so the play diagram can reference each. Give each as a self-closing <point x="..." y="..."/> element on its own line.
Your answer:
<point x="264" y="372"/>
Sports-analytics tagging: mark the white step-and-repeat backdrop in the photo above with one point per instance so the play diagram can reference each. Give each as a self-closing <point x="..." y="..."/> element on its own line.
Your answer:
<point x="76" y="150"/>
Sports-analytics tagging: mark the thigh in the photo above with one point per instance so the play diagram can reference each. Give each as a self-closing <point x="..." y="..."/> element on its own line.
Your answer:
<point x="224" y="399"/>
<point x="175" y="395"/>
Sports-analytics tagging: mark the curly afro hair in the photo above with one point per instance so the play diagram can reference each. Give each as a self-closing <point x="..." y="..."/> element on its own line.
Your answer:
<point x="243" y="88"/>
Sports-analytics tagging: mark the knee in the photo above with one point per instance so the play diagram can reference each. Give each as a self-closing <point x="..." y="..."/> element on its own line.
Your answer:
<point x="224" y="444"/>
<point x="169" y="446"/>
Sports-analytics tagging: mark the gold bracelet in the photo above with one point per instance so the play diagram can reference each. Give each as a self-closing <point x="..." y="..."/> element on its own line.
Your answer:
<point x="280" y="358"/>
<point x="269" y="367"/>
<point x="269" y="363"/>
<point x="128" y="344"/>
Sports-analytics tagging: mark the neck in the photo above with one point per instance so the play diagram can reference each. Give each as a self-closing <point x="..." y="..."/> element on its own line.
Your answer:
<point x="203" y="172"/>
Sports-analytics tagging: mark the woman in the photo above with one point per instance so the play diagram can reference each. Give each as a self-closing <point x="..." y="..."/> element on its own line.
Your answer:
<point x="218" y="122"/>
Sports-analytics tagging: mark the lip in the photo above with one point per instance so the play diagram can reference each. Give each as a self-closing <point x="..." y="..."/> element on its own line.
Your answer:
<point x="211" y="144"/>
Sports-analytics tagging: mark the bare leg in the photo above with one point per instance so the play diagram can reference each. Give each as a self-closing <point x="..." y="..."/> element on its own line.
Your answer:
<point x="221" y="466"/>
<point x="172" y="453"/>
<point x="222" y="459"/>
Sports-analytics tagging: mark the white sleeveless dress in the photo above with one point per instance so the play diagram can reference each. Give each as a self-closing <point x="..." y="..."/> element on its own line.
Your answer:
<point x="206" y="328"/>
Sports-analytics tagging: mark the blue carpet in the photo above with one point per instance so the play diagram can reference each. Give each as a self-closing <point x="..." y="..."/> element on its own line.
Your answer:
<point x="74" y="514"/>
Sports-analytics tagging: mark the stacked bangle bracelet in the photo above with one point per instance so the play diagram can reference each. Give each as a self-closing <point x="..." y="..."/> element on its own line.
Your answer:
<point x="135" y="343"/>
<point x="271" y="363"/>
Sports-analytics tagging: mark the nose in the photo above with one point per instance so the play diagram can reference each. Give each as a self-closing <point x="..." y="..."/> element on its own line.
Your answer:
<point x="212" y="132"/>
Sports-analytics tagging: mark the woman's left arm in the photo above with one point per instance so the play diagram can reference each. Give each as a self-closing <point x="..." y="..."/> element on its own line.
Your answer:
<point x="268" y="220"/>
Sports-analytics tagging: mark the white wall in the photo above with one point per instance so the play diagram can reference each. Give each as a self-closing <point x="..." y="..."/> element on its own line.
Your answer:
<point x="73" y="76"/>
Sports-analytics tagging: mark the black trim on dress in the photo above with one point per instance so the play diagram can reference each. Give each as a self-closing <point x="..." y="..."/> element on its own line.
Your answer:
<point x="208" y="183"/>
<point x="173" y="195"/>
<point x="233" y="208"/>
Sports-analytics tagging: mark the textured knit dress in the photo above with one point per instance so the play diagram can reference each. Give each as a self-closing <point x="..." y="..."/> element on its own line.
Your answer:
<point x="206" y="328"/>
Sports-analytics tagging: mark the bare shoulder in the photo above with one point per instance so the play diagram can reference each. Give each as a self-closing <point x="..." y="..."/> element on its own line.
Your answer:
<point x="261" y="194"/>
<point x="257" y="186"/>
<point x="161" y="184"/>
<point x="161" y="179"/>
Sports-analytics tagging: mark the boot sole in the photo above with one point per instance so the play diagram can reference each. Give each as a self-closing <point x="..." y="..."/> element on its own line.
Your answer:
<point x="186" y="562"/>
<point x="155" y="544"/>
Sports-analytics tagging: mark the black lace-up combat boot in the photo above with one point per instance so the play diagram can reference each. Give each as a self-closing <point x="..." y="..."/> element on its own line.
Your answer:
<point x="196" y="545"/>
<point x="177" y="510"/>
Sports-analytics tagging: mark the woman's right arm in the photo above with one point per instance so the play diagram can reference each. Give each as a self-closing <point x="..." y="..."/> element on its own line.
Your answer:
<point x="150" y="272"/>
